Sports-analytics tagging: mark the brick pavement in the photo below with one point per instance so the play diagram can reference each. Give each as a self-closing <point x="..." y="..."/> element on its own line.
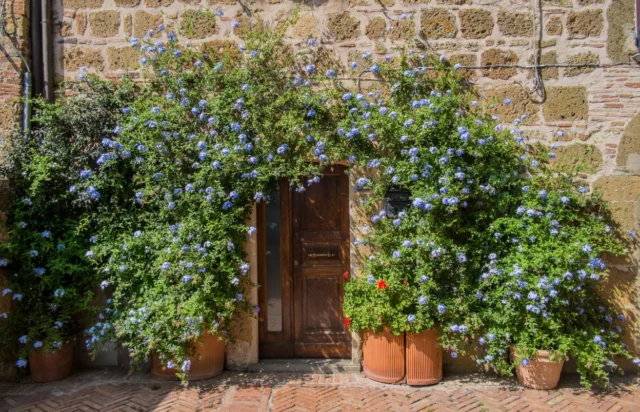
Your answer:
<point x="112" y="390"/>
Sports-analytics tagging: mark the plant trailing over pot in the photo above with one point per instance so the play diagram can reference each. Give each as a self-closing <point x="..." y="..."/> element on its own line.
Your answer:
<point x="542" y="284"/>
<point x="50" y="282"/>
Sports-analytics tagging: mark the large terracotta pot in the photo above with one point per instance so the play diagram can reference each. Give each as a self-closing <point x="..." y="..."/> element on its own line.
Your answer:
<point x="384" y="356"/>
<point x="207" y="362"/>
<point x="541" y="373"/>
<point x="49" y="367"/>
<point x="424" y="358"/>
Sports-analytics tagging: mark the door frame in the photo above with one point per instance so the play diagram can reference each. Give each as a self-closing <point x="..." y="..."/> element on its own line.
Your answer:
<point x="282" y="344"/>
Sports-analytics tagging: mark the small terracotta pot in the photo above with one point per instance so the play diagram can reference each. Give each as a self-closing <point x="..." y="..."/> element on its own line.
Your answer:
<point x="49" y="367"/>
<point x="207" y="362"/>
<point x="384" y="356"/>
<point x="424" y="358"/>
<point x="541" y="373"/>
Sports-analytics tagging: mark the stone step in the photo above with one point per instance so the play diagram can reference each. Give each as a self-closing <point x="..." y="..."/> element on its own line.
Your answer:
<point x="303" y="365"/>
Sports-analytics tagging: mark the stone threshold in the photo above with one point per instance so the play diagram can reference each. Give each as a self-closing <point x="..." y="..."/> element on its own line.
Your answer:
<point x="305" y="365"/>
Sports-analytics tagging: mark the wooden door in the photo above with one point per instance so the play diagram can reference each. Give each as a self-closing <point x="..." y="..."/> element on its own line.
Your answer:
<point x="320" y="267"/>
<point x="302" y="277"/>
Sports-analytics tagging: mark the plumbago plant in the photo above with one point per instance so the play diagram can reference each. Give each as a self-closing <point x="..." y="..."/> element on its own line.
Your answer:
<point x="179" y="174"/>
<point x="542" y="285"/>
<point x="460" y="168"/>
<point x="50" y="283"/>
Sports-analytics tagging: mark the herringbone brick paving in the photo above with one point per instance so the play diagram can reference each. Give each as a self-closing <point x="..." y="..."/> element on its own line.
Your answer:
<point x="112" y="390"/>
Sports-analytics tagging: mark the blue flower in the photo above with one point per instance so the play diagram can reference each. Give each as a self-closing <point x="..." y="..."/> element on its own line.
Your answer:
<point x="411" y="318"/>
<point x="282" y="149"/>
<point x="422" y="300"/>
<point x="37" y="344"/>
<point x="311" y="68"/>
<point x="397" y="254"/>
<point x="331" y="73"/>
<point x="347" y="96"/>
<point x="441" y="309"/>
<point x="21" y="363"/>
<point x="227" y="205"/>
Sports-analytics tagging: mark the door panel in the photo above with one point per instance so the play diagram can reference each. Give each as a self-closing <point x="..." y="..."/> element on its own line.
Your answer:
<point x="320" y="259"/>
<point x="314" y="256"/>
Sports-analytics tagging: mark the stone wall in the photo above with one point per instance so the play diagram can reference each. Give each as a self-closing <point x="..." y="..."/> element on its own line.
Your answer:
<point x="593" y="113"/>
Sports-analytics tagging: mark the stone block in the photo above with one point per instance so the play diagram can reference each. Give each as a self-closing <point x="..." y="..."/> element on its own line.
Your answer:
<point x="124" y="58"/>
<point x="520" y="104"/>
<point x="581" y="58"/>
<point x="158" y="3"/>
<point x="404" y="29"/>
<point x="128" y="24"/>
<point x="7" y="115"/>
<point x="492" y="57"/>
<point x="143" y="22"/>
<point x="436" y="23"/>
<point x="343" y="26"/>
<point x="554" y="26"/>
<point x="476" y="23"/>
<point x="127" y="3"/>
<point x="584" y="23"/>
<point x="306" y="27"/>
<point x="376" y="28"/>
<point x="515" y="23"/>
<point x="197" y="24"/>
<point x="566" y="104"/>
<point x="577" y="157"/>
<point x="81" y="22"/>
<point x="629" y="147"/>
<point x="104" y="23"/>
<point x="75" y="57"/>
<point x="79" y="4"/>
<point x="620" y="30"/>
<point x="619" y="188"/>
<point x="547" y="58"/>
<point x="65" y="29"/>
<point x="465" y="59"/>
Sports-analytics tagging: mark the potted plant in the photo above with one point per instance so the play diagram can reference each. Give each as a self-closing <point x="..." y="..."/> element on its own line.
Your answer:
<point x="49" y="281"/>
<point x="541" y="286"/>
<point x="432" y="142"/>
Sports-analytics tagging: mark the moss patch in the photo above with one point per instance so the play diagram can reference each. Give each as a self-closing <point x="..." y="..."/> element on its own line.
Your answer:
<point x="566" y="103"/>
<point x="492" y="57"/>
<point x="581" y="58"/>
<point x="515" y="23"/>
<point x="577" y="157"/>
<point x="438" y="23"/>
<point x="620" y="16"/>
<point x="476" y="23"/>
<point x="197" y="24"/>
<point x="584" y="23"/>
<point x="343" y="26"/>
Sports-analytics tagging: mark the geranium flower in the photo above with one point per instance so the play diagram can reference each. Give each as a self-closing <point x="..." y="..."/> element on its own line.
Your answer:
<point x="382" y="284"/>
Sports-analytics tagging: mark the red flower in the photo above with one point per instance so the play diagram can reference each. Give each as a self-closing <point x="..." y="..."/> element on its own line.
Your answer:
<point x="405" y="282"/>
<point x="382" y="284"/>
<point x="345" y="275"/>
<point x="347" y="322"/>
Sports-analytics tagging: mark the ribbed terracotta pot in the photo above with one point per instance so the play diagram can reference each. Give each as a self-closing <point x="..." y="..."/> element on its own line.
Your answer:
<point x="49" y="367"/>
<point x="384" y="356"/>
<point x="207" y="362"/>
<point x="424" y="358"/>
<point x="541" y="373"/>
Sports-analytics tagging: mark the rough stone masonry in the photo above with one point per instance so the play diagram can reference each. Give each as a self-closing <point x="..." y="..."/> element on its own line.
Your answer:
<point x="593" y="113"/>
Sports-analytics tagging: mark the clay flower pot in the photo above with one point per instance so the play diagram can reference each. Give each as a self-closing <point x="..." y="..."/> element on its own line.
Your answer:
<point x="424" y="358"/>
<point x="384" y="356"/>
<point x="541" y="372"/>
<point x="49" y="367"/>
<point x="207" y="362"/>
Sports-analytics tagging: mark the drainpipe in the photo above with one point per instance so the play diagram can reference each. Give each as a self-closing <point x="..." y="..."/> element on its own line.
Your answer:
<point x="36" y="46"/>
<point x="47" y="53"/>
<point x="26" y="109"/>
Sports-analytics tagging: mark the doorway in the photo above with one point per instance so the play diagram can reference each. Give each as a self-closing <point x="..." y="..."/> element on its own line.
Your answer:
<point x="303" y="265"/>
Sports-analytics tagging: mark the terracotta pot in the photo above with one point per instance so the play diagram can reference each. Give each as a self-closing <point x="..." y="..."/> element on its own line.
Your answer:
<point x="49" y="367"/>
<point x="541" y="373"/>
<point x="424" y="358"/>
<point x="207" y="362"/>
<point x="384" y="356"/>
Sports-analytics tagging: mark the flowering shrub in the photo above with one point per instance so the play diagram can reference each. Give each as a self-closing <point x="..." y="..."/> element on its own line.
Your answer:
<point x="50" y="284"/>
<point x="541" y="286"/>
<point x="157" y="206"/>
